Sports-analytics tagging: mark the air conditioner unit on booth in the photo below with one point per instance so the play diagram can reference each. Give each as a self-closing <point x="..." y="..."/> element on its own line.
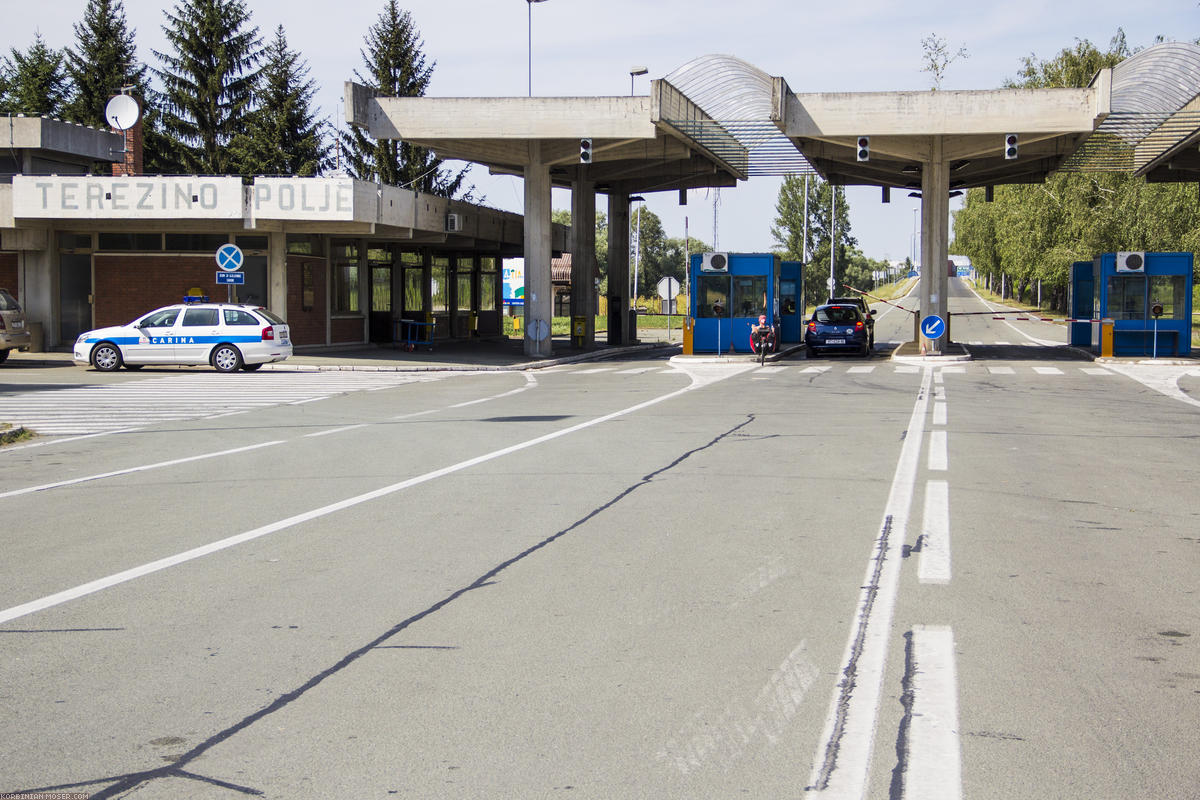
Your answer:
<point x="1131" y="262"/>
<point x="714" y="262"/>
<point x="453" y="223"/>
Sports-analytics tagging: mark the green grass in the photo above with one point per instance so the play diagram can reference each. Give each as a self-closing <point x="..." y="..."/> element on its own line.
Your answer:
<point x="11" y="435"/>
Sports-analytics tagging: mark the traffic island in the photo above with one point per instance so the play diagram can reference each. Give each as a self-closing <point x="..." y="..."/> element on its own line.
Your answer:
<point x="910" y="352"/>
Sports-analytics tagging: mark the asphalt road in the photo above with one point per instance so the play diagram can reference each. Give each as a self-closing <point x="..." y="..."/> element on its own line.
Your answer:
<point x="837" y="577"/>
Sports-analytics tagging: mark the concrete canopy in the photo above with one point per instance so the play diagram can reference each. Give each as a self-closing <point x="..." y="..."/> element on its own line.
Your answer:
<point x="636" y="144"/>
<point x="1050" y="124"/>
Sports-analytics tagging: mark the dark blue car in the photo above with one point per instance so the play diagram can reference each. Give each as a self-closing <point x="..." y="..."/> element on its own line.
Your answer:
<point x="837" y="327"/>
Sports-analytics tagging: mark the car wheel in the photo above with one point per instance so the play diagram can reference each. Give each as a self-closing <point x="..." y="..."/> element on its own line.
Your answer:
<point x="132" y="367"/>
<point x="106" y="357"/>
<point x="251" y="367"/>
<point x="226" y="358"/>
<point x="3" y="356"/>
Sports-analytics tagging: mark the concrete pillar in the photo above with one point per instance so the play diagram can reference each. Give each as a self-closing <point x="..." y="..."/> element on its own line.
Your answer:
<point x="619" y="331"/>
<point x="364" y="289"/>
<point x="583" y="256"/>
<point x="38" y="274"/>
<point x="277" y="282"/>
<point x="935" y="239"/>
<point x="538" y="293"/>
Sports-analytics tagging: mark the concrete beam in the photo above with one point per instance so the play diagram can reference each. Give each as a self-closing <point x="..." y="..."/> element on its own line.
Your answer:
<point x="1000" y="111"/>
<point x="499" y="118"/>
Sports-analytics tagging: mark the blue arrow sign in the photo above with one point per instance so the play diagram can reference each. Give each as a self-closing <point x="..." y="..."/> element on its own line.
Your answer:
<point x="237" y="278"/>
<point x="229" y="257"/>
<point x="933" y="326"/>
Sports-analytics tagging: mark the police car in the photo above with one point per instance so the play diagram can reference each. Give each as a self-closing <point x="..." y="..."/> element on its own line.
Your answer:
<point x="228" y="336"/>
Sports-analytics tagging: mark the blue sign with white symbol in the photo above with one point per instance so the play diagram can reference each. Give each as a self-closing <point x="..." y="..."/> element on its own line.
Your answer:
<point x="229" y="258"/>
<point x="933" y="326"/>
<point x="231" y="277"/>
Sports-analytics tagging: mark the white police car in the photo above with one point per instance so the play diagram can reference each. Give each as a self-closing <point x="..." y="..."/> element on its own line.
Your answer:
<point x="226" y="335"/>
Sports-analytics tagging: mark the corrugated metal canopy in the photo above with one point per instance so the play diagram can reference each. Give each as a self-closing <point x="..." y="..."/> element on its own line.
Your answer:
<point x="738" y="97"/>
<point x="1154" y="112"/>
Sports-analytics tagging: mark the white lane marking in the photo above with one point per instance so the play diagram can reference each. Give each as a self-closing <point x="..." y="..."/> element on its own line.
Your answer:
<point x="1096" y="371"/>
<point x="130" y="470"/>
<point x="843" y="756"/>
<point x="938" y="459"/>
<point x="975" y="344"/>
<point x="58" y="598"/>
<point x="933" y="763"/>
<point x="860" y="370"/>
<point x="938" y="377"/>
<point x="636" y="370"/>
<point x="343" y="429"/>
<point x="1002" y="370"/>
<point x="1048" y="370"/>
<point x="934" y="564"/>
<point x="530" y="382"/>
<point x="593" y="370"/>
<point x="939" y="413"/>
<point x="1162" y="379"/>
<point x="1004" y="343"/>
<point x="939" y="393"/>
<point x="306" y="400"/>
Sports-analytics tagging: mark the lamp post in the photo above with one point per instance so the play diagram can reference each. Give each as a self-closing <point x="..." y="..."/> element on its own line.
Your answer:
<point x="530" y="4"/>
<point x="637" y="246"/>
<point x="634" y="72"/>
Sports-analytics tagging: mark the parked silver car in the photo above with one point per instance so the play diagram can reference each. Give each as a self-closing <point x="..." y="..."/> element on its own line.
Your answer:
<point x="14" y="335"/>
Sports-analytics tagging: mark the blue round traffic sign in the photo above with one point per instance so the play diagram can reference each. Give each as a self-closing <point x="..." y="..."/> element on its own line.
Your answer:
<point x="933" y="326"/>
<point x="229" y="257"/>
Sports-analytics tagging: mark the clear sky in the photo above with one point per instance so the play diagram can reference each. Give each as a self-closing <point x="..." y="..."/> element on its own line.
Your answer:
<point x="482" y="47"/>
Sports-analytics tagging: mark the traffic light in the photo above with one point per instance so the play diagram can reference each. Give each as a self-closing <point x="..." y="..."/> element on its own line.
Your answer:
<point x="585" y="151"/>
<point x="1010" y="146"/>
<point x="864" y="148"/>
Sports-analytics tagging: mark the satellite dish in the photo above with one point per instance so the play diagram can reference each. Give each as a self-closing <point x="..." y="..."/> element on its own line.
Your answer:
<point x="122" y="112"/>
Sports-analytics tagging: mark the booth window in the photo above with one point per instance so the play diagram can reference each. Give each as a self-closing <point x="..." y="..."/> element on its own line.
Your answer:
<point x="1168" y="291"/>
<point x="465" y="266"/>
<point x="1127" y="297"/>
<point x="487" y="283"/>
<point x="712" y="296"/>
<point x="749" y="295"/>
<point x="441" y="284"/>
<point x="345" y="279"/>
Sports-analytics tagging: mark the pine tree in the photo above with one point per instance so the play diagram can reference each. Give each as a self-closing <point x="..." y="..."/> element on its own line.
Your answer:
<point x="396" y="67"/>
<point x="208" y="81"/>
<point x="103" y="61"/>
<point x="36" y="82"/>
<point x="283" y="136"/>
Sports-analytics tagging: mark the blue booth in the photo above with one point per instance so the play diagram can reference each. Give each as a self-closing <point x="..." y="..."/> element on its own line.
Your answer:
<point x="1128" y="288"/>
<point x="730" y="290"/>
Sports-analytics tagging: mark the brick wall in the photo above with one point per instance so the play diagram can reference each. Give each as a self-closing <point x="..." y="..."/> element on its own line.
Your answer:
<point x="8" y="273"/>
<point x="129" y="286"/>
<point x="347" y="330"/>
<point x="306" y="326"/>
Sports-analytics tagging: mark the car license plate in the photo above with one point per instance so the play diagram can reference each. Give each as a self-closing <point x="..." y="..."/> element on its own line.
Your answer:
<point x="835" y="341"/>
<point x="18" y="324"/>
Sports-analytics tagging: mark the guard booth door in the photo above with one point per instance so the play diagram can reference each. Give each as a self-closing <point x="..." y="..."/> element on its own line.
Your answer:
<point x="381" y="303"/>
<point x="791" y="302"/>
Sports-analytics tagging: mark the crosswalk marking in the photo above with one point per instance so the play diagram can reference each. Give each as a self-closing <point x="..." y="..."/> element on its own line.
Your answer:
<point x="1002" y="370"/>
<point x="816" y="369"/>
<point x="1097" y="371"/>
<point x="860" y="370"/>
<point x="77" y="410"/>
<point x="1048" y="370"/>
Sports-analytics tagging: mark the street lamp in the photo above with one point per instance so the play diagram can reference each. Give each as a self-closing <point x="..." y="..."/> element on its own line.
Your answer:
<point x="530" y="4"/>
<point x="634" y="72"/>
<point x="637" y="245"/>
